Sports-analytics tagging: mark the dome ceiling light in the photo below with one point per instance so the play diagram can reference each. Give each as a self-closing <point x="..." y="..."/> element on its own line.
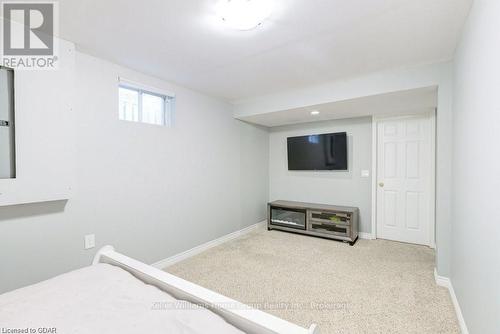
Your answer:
<point x="243" y="14"/>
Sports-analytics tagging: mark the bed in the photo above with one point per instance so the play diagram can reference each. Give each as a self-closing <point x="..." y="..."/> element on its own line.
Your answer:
<point x="118" y="294"/>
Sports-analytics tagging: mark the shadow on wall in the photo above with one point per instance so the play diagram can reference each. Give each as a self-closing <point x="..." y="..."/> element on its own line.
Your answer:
<point x="31" y="210"/>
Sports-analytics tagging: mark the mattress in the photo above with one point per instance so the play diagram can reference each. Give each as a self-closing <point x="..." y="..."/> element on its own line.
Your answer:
<point x="103" y="299"/>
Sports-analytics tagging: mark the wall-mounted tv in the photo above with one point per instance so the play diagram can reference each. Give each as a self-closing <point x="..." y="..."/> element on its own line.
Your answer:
<point x="318" y="152"/>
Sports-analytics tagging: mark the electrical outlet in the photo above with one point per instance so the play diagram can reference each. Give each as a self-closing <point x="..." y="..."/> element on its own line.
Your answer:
<point x="89" y="241"/>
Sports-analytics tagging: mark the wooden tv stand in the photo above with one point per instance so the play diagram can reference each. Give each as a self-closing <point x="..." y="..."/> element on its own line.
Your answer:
<point x="319" y="220"/>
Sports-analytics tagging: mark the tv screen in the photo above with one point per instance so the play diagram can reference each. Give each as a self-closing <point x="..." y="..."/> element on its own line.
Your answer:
<point x="318" y="152"/>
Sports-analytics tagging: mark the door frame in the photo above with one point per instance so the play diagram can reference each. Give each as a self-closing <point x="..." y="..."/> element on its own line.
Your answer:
<point x="432" y="181"/>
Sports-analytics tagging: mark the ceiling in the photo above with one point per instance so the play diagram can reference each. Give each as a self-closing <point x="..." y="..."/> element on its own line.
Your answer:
<point x="400" y="103"/>
<point x="303" y="43"/>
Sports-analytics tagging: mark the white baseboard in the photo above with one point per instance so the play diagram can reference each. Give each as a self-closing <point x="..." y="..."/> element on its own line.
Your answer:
<point x="201" y="248"/>
<point x="446" y="282"/>
<point x="364" y="235"/>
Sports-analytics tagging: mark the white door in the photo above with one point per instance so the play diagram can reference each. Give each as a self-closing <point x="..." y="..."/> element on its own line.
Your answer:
<point x="405" y="160"/>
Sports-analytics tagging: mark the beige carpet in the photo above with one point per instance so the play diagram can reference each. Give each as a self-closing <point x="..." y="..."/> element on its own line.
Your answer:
<point x="376" y="286"/>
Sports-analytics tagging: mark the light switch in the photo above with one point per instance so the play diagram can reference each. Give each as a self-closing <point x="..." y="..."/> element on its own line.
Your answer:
<point x="365" y="173"/>
<point x="89" y="241"/>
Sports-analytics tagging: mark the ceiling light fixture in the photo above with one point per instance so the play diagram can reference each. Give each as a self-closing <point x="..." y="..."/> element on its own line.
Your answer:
<point x="243" y="14"/>
<point x="315" y="113"/>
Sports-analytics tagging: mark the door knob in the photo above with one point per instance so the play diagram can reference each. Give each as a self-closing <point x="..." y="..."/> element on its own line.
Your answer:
<point x="381" y="184"/>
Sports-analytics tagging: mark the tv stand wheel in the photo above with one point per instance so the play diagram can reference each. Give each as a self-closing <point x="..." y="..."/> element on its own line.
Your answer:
<point x="269" y="229"/>
<point x="353" y="242"/>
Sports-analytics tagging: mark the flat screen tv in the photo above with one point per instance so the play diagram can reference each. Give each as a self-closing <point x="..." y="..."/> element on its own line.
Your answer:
<point x="318" y="152"/>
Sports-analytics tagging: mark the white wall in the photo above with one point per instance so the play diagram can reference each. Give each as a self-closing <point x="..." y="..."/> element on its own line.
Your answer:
<point x="475" y="270"/>
<point x="150" y="191"/>
<point x="328" y="187"/>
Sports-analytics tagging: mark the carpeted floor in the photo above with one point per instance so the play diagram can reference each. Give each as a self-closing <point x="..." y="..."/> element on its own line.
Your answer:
<point x="377" y="286"/>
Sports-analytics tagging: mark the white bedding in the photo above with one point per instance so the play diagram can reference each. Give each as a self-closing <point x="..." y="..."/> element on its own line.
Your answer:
<point x="103" y="299"/>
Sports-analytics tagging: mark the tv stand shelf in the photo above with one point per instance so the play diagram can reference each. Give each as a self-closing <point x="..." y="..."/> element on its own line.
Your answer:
<point x="319" y="220"/>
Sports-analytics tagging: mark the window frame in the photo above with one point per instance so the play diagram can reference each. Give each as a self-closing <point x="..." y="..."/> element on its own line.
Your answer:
<point x="167" y="97"/>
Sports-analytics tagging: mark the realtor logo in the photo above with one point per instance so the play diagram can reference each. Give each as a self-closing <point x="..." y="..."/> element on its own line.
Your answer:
<point x="28" y="34"/>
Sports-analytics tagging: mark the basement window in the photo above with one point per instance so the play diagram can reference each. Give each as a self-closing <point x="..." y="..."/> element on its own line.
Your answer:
<point x="149" y="106"/>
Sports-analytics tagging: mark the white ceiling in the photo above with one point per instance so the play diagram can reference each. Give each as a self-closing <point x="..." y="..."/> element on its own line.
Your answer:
<point x="396" y="103"/>
<point x="304" y="42"/>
